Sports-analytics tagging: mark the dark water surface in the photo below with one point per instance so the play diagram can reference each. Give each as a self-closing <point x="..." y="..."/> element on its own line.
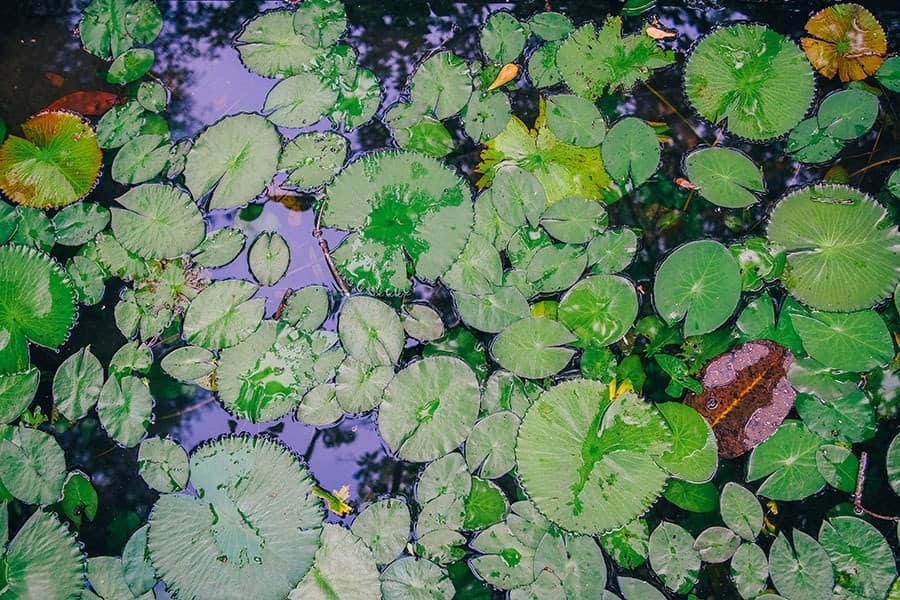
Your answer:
<point x="195" y="59"/>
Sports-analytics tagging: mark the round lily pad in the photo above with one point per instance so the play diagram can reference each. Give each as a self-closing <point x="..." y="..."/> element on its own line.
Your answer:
<point x="344" y="568"/>
<point x="157" y="221"/>
<point x="313" y="159"/>
<point x="575" y="120"/>
<point x="384" y="527"/>
<point x="587" y="463"/>
<point x="320" y="22"/>
<point x="599" y="310"/>
<point x="55" y="164"/>
<point x="846" y="40"/>
<point x="842" y="249"/>
<point x="750" y="78"/>
<point x="163" y="464"/>
<point x="251" y="531"/>
<point x="269" y="257"/>
<point x="442" y="83"/>
<point x="856" y="341"/>
<point x="533" y="347"/>
<point x="429" y="408"/>
<point x="724" y="176"/>
<point x="417" y="579"/>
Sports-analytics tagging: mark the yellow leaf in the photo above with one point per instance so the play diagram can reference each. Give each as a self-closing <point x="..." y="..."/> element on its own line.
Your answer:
<point x="507" y="74"/>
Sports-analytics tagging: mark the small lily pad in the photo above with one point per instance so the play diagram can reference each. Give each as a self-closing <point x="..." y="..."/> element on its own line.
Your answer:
<point x="725" y="177"/>
<point x="533" y="347"/>
<point x="163" y="464"/>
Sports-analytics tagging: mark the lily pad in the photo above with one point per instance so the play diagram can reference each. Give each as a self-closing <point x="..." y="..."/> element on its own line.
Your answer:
<point x="220" y="247"/>
<point x="384" y="527"/>
<point x="490" y="447"/>
<point x="841" y="247"/>
<point x="741" y="511"/>
<point x="223" y="314"/>
<point x="693" y="456"/>
<point x="673" y="557"/>
<point x="299" y="100"/>
<point x="588" y="464"/>
<point x="125" y="408"/>
<point x="725" y="177"/>
<point x="55" y="164"/>
<point x="533" y="347"/>
<point x="848" y="114"/>
<point x="802" y="572"/>
<point x="749" y="570"/>
<point x="789" y="460"/>
<point x="17" y="390"/>
<point x="32" y="466"/>
<point x="751" y="78"/>
<point x="699" y="282"/>
<point x="234" y="159"/>
<point x="599" y="310"/>
<point x="43" y="561"/>
<point x="77" y="384"/>
<point x="313" y="159"/>
<point x="857" y="341"/>
<point x="443" y="84"/>
<point x="269" y="46"/>
<point x="847" y="40"/>
<point x="401" y="205"/>
<point x="110" y="27"/>
<point x="371" y="331"/>
<point x="157" y="221"/>
<point x="320" y="22"/>
<point x="429" y="408"/>
<point x="575" y="120"/>
<point x="141" y="159"/>
<point x="37" y="304"/>
<point x="631" y="151"/>
<point x="503" y="37"/>
<point x="411" y="578"/>
<point x="163" y="464"/>
<point x="269" y="257"/>
<point x="862" y="558"/>
<point x="340" y="554"/>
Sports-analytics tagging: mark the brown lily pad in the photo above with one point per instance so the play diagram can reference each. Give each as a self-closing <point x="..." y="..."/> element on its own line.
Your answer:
<point x="746" y="395"/>
<point x="847" y="40"/>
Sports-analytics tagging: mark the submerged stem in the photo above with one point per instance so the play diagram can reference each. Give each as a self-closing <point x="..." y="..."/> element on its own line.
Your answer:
<point x="858" y="493"/>
<point x="326" y="252"/>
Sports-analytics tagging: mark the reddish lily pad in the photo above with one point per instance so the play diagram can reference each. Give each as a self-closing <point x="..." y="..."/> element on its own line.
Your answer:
<point x="746" y="395"/>
<point x="847" y="40"/>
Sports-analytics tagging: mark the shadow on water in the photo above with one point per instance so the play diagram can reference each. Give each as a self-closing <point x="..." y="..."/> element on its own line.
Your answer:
<point x="41" y="60"/>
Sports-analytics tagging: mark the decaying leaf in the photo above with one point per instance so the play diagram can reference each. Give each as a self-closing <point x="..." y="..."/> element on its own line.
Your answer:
<point x="746" y="395"/>
<point x="846" y="40"/>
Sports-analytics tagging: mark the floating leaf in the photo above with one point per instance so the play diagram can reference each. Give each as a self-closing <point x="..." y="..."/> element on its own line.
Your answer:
<point x="234" y="159"/>
<point x="17" y="390"/>
<point x="746" y="395"/>
<point x="518" y="196"/>
<point x="422" y="322"/>
<point x="79" y="498"/>
<point x="419" y="132"/>
<point x="130" y="66"/>
<point x="153" y="96"/>
<point x="808" y="143"/>
<point x="595" y="62"/>
<point x="442" y="83"/>
<point x="574" y="220"/>
<point x="503" y="37"/>
<point x="838" y="466"/>
<point x="269" y="257"/>
<point x="599" y="310"/>
<point x="490" y="447"/>
<point x="267" y="374"/>
<point x="110" y="27"/>
<point x="550" y="26"/>
<point x="268" y="45"/>
<point x="753" y="79"/>
<point x="857" y="341"/>
<point x="121" y="124"/>
<point x="576" y="450"/>
<point x="157" y="221"/>
<point x="849" y="418"/>
<point x="612" y="251"/>
<point x="846" y="40"/>
<point x="628" y="546"/>
<point x="749" y="570"/>
<point x="533" y="348"/>
<point x="408" y="206"/>
<point x="320" y="406"/>
<point x="223" y="314"/>
<point x="300" y="100"/>
<point x="673" y="557"/>
<point x="429" y="408"/>
<point x="220" y="247"/>
<point x="384" y="527"/>
<point x="189" y="363"/>
<point x="716" y="544"/>
<point x="411" y="577"/>
<point x="802" y="572"/>
<point x="55" y="164"/>
<point x="631" y="152"/>
<point x="360" y="386"/>
<point x="892" y="464"/>
<point x="77" y="384"/>
<point x="371" y="331"/>
<point x="789" y="459"/>
<point x="37" y="304"/>
<point x="43" y="561"/>
<point x="139" y="573"/>
<point x="888" y="74"/>
<point x="724" y="176"/>
<point x="542" y="68"/>
<point x="340" y="555"/>
<point x="163" y="464"/>
<point x="141" y="159"/>
<point x="313" y="159"/>
<point x="862" y="559"/>
<point x="741" y="511"/>
<point x="485" y="505"/>
<point x="254" y="508"/>
<point x="106" y="575"/>
<point x="79" y="223"/>
<point x="125" y="408"/>
<point x="575" y="120"/>
<point x="848" y="114"/>
<point x="692" y="497"/>
<point x="320" y="22"/>
<point x="693" y="456"/>
<point x="699" y="282"/>
<point x="307" y="308"/>
<point x="32" y="466"/>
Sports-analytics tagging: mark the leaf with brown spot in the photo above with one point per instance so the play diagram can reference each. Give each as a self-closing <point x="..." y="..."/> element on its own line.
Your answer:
<point x="746" y="395"/>
<point x="847" y="40"/>
<point x="89" y="104"/>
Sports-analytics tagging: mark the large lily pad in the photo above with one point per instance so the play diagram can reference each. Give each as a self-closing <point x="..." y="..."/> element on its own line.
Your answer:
<point x="251" y="531"/>
<point x="754" y="80"/>
<point x="841" y="247"/>
<point x="407" y="212"/>
<point x="588" y="463"/>
<point x="32" y="466"/>
<point x="55" y="164"/>
<point x="429" y="408"/>
<point x="863" y="562"/>
<point x="37" y="304"/>
<point x="789" y="460"/>
<point x="269" y="45"/>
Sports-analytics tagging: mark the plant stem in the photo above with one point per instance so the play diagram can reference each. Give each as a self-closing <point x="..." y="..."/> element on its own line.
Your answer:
<point x="326" y="252"/>
<point x="858" y="494"/>
<point x="886" y="161"/>
<point x="673" y="109"/>
<point x="185" y="411"/>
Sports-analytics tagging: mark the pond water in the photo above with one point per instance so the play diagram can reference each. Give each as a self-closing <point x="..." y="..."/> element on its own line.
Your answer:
<point x="41" y="60"/>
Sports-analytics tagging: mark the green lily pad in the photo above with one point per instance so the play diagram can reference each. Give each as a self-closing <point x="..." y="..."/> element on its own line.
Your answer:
<point x="106" y="575"/>
<point x="673" y="557"/>
<point x="725" y="177"/>
<point x="110" y="27"/>
<point x="429" y="408"/>
<point x="751" y="78"/>
<point x="37" y="304"/>
<point x="220" y="247"/>
<point x="419" y="132"/>
<point x="77" y="384"/>
<point x="518" y="196"/>
<point x="809" y="143"/>
<point x="848" y="114"/>
<point x="422" y="322"/>
<point x="139" y="573"/>
<point x="575" y="120"/>
<point x="595" y="62"/>
<point x="749" y="570"/>
<point x="307" y="308"/>
<point x="340" y="554"/>
<point x="269" y="46"/>
<point x="490" y="447"/>
<point x="360" y="386"/>
<point x="841" y="247"/>
<point x="803" y="571"/>
<point x="503" y="37"/>
<point x="741" y="511"/>
<point x="189" y="363"/>
<point x="599" y="310"/>
<point x="862" y="558"/>
<point x="43" y="561"/>
<point x="79" y="498"/>
<point x="629" y="546"/>
<point x="320" y="22"/>
<point x="533" y="347"/>
<point x="542" y="68"/>
<point x="692" y="497"/>
<point x="300" y="100"/>
<point x="254" y="507"/>
<point x="32" y="466"/>
<point x="550" y="26"/>
<point x="55" y="164"/>
<point x="636" y="589"/>
<point x="130" y="66"/>
<point x="371" y="331"/>
<point x="141" y="159"/>
<point x="163" y="464"/>
<point x="320" y="406"/>
<point x="694" y="456"/>
<point x="125" y="408"/>
<point x="612" y="251"/>
<point x="631" y="151"/>
<point x="856" y="341"/>
<point x="404" y="205"/>
<point x="849" y="418"/>
<point x="699" y="282"/>
<point x="269" y="257"/>
<point x="313" y="159"/>
<point x="838" y="466"/>
<point x="17" y="390"/>
<point x="411" y="578"/>
<point x="588" y="464"/>
<point x="442" y="83"/>
<point x="157" y="221"/>
<point x="223" y="314"/>
<point x="485" y="115"/>
<point x="384" y="527"/>
<point x="234" y="159"/>
<point x="789" y="460"/>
